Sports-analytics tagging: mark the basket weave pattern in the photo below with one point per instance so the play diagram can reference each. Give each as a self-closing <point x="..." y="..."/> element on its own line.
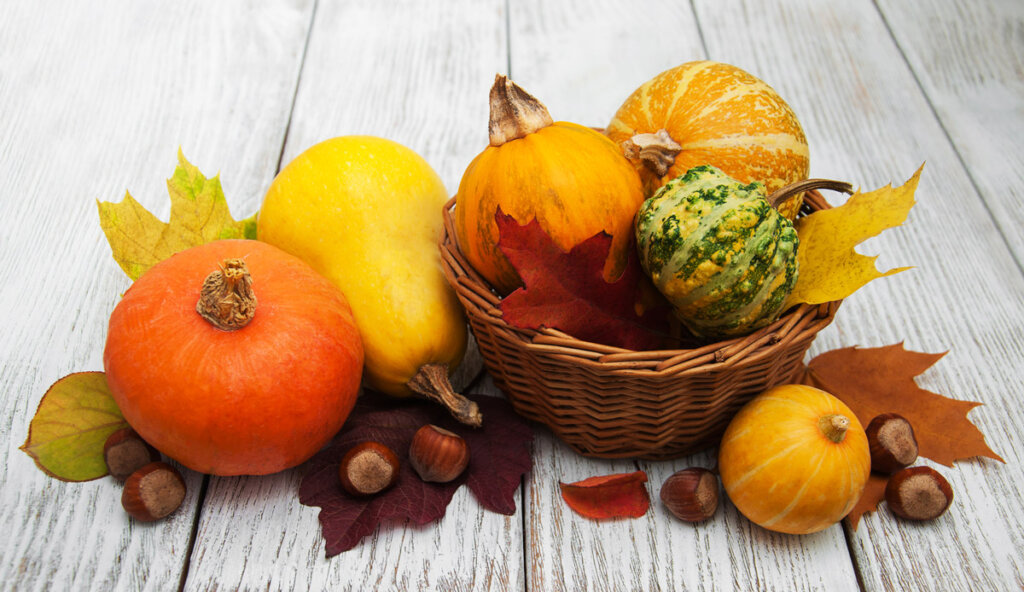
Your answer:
<point x="610" y="402"/>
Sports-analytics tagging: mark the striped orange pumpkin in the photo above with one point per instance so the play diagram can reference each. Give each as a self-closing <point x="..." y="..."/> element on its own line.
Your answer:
<point x="716" y="114"/>
<point x="794" y="459"/>
<point x="571" y="179"/>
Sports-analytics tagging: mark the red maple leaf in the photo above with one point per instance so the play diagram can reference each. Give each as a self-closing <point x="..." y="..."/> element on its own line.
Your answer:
<point x="500" y="454"/>
<point x="621" y="495"/>
<point x="568" y="292"/>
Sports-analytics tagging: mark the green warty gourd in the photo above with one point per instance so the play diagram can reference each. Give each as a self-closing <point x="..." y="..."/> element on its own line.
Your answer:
<point x="719" y="252"/>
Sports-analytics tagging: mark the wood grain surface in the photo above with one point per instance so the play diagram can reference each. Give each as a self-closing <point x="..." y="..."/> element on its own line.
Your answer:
<point x="96" y="98"/>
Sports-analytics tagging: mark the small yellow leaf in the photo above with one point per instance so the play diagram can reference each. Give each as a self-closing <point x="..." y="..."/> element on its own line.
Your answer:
<point x="74" y="419"/>
<point x="829" y="267"/>
<point x="199" y="214"/>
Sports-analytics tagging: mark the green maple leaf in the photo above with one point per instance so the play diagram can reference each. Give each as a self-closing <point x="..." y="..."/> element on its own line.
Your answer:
<point x="74" y="419"/>
<point x="199" y="214"/>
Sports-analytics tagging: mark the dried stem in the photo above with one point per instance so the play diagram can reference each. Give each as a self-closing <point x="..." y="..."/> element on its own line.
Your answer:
<point x="781" y="194"/>
<point x="656" y="151"/>
<point x="834" y="426"/>
<point x="226" y="299"/>
<point x="515" y="113"/>
<point x="432" y="382"/>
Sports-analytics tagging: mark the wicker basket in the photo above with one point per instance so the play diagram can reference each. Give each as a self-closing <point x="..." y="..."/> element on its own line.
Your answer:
<point x="614" y="403"/>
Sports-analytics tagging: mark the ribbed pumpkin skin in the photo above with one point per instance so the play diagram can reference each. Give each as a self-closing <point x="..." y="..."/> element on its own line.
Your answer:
<point x="572" y="179"/>
<point x="252" y="401"/>
<point x="722" y="116"/>
<point x="780" y="470"/>
<point x="717" y="250"/>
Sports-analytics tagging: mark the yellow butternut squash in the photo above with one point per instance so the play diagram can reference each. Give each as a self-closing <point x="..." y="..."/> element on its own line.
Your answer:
<point x="366" y="213"/>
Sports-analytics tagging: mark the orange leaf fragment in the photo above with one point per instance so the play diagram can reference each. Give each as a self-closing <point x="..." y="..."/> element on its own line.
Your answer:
<point x="872" y="381"/>
<point x="874" y="493"/>
<point x="609" y="496"/>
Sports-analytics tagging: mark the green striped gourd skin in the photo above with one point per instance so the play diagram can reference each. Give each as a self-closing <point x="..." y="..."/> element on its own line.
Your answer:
<point x="718" y="251"/>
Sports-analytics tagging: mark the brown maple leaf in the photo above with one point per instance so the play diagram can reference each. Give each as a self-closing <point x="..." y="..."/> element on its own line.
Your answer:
<point x="872" y="381"/>
<point x="874" y="493"/>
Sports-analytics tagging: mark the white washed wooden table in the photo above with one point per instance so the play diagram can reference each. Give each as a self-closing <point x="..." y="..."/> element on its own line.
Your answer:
<point x="96" y="97"/>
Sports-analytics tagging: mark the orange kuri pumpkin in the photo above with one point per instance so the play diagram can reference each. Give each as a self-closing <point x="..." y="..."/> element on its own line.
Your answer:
<point x="233" y="358"/>
<point x="572" y="179"/>
<point x="794" y="459"/>
<point x="710" y="113"/>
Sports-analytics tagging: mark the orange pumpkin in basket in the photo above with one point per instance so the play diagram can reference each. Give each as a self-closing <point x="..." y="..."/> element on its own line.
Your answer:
<point x="710" y="113"/>
<point x="794" y="459"/>
<point x="234" y="357"/>
<point x="571" y="179"/>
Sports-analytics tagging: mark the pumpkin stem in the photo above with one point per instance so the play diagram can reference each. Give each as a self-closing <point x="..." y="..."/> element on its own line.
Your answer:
<point x="656" y="151"/>
<point x="515" y="113"/>
<point x="780" y="195"/>
<point x="226" y="299"/>
<point x="834" y="426"/>
<point x="432" y="382"/>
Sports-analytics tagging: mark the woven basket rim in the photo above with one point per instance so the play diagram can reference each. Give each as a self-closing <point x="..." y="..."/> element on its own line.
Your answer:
<point x="482" y="300"/>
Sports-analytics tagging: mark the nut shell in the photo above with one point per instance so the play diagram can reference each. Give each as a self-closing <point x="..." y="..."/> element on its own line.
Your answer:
<point x="153" y="492"/>
<point x="892" y="443"/>
<point x="918" y="493"/>
<point x="126" y="452"/>
<point x="368" y="468"/>
<point x="691" y="494"/>
<point x="438" y="455"/>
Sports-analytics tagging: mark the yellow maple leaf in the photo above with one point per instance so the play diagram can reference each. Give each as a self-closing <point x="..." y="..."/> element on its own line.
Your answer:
<point x="829" y="267"/>
<point x="199" y="214"/>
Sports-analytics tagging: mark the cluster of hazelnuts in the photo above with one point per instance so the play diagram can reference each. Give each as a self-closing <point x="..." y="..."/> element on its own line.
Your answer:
<point x="436" y="454"/>
<point x="152" y="489"/>
<point x="913" y="493"/>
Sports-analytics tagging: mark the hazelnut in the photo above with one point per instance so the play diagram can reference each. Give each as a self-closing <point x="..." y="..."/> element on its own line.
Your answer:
<point x="368" y="468"/>
<point x="125" y="452"/>
<point x="892" y="443"/>
<point x="691" y="494"/>
<point x="153" y="492"/>
<point x="438" y="455"/>
<point x="918" y="493"/>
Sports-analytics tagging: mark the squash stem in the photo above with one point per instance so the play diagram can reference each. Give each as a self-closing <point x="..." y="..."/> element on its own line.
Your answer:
<point x="226" y="299"/>
<point x="834" y="426"/>
<point x="780" y="195"/>
<point x="656" y="151"/>
<point x="515" y="113"/>
<point x="432" y="382"/>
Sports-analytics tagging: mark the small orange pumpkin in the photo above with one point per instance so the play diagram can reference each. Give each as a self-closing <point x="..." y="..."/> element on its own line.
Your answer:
<point x="572" y="179"/>
<point x="247" y="370"/>
<point x="710" y="113"/>
<point x="794" y="459"/>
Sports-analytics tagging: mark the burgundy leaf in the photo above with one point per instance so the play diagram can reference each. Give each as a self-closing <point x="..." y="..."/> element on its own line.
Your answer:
<point x="500" y="454"/>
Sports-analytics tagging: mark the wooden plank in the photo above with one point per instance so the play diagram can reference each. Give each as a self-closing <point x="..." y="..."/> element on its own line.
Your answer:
<point x="418" y="74"/>
<point x="869" y="122"/>
<point x="583" y="60"/>
<point x="967" y="56"/>
<point x="96" y="98"/>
